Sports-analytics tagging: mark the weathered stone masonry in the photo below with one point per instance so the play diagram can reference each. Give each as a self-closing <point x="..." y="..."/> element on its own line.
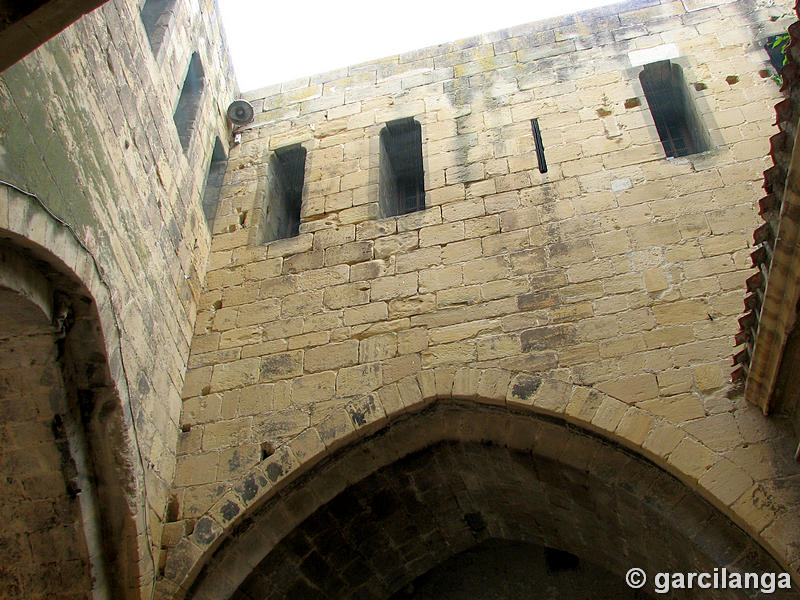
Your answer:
<point x="86" y="124"/>
<point x="614" y="280"/>
<point x="535" y="361"/>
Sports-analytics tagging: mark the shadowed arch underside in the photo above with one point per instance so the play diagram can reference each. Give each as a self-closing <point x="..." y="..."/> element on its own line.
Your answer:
<point x="44" y="549"/>
<point x="376" y="516"/>
<point x="69" y="492"/>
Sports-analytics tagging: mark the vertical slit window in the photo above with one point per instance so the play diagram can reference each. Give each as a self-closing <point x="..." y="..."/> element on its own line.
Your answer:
<point x="216" y="174"/>
<point x="537" y="141"/>
<point x="678" y="124"/>
<point x="156" y="16"/>
<point x="402" y="185"/>
<point x="189" y="103"/>
<point x="285" y="174"/>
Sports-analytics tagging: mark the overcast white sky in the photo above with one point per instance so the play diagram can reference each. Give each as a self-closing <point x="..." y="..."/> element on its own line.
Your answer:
<point x="275" y="41"/>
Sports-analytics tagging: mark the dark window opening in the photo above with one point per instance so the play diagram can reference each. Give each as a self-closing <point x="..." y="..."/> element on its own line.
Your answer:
<point x="537" y="140"/>
<point x="776" y="55"/>
<point x="402" y="183"/>
<point x="679" y="127"/>
<point x="156" y="16"/>
<point x="216" y="174"/>
<point x="285" y="175"/>
<point x="189" y="103"/>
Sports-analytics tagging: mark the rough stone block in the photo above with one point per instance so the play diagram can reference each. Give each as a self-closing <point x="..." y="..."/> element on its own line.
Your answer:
<point x="331" y="356"/>
<point x="235" y="374"/>
<point x="308" y="389"/>
<point x="394" y="286"/>
<point x="281" y="366"/>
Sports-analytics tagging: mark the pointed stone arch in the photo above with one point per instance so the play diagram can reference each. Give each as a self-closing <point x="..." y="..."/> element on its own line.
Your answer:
<point x="211" y="560"/>
<point x="67" y="380"/>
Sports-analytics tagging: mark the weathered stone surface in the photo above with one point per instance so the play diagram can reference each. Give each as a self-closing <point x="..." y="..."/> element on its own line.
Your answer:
<point x="602" y="293"/>
<point x="281" y="366"/>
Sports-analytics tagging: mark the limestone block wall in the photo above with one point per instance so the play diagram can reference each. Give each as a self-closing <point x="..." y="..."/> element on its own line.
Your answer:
<point x="86" y="124"/>
<point x="617" y="276"/>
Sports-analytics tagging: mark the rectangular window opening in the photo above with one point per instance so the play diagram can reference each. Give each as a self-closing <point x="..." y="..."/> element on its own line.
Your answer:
<point x="186" y="113"/>
<point x="681" y="131"/>
<point x="216" y="174"/>
<point x="285" y="174"/>
<point x="402" y="182"/>
<point x="157" y="16"/>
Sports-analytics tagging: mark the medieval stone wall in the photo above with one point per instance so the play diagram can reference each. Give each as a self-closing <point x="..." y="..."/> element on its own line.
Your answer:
<point x="577" y="322"/>
<point x="86" y="124"/>
<point x="605" y="291"/>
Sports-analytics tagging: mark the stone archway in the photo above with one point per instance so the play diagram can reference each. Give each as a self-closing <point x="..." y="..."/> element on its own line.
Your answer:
<point x="69" y="493"/>
<point x="40" y="486"/>
<point x="375" y="516"/>
<point x="747" y="493"/>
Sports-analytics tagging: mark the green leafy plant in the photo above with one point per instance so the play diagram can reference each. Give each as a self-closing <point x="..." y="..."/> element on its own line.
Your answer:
<point x="781" y="42"/>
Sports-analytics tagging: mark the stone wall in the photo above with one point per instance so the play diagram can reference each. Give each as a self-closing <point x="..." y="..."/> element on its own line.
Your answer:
<point x="45" y="549"/>
<point x="86" y="124"/>
<point x="616" y="276"/>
